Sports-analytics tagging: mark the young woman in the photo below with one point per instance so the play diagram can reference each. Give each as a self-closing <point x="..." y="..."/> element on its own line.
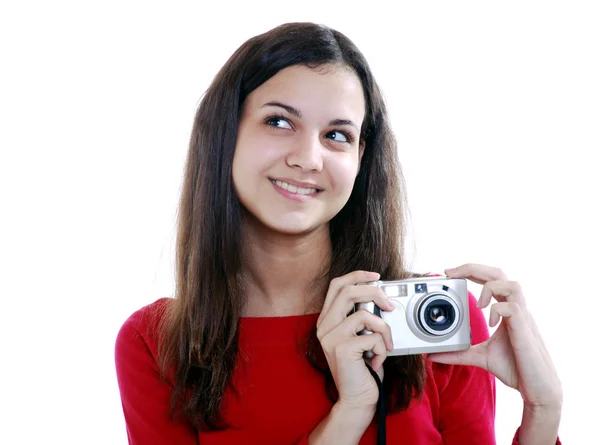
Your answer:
<point x="292" y="195"/>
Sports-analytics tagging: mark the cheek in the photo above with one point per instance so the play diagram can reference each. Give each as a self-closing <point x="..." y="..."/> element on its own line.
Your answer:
<point x="259" y="152"/>
<point x="241" y="170"/>
<point x="343" y="172"/>
<point x="236" y="168"/>
<point x="251" y="161"/>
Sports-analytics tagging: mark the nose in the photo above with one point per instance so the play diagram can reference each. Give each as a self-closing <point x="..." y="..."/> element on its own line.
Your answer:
<point x="306" y="154"/>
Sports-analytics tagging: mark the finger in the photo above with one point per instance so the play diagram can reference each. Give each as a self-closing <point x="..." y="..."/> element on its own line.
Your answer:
<point x="354" y="348"/>
<point x="360" y="321"/>
<point x="533" y="361"/>
<point x="477" y="273"/>
<point x="502" y="291"/>
<point x="523" y="341"/>
<point x="516" y="317"/>
<point x="337" y="284"/>
<point x="474" y="356"/>
<point x="345" y="301"/>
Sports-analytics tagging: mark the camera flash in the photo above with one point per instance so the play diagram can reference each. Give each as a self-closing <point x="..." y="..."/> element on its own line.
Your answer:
<point x="396" y="291"/>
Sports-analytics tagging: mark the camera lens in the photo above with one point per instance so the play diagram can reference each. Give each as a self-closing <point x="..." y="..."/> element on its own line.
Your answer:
<point x="438" y="315"/>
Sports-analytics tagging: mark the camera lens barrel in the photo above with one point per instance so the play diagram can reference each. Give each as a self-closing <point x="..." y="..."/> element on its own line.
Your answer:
<point x="438" y="314"/>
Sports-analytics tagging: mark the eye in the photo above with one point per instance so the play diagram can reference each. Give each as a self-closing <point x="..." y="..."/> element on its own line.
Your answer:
<point x="340" y="136"/>
<point x="278" y="122"/>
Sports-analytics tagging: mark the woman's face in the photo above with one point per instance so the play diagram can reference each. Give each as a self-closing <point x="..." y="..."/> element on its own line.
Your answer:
<point x="298" y="149"/>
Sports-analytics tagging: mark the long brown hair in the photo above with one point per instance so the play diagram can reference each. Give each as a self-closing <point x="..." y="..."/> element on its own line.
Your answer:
<point x="199" y="331"/>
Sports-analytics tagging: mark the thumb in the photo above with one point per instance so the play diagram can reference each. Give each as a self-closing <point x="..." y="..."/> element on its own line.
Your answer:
<point x="469" y="357"/>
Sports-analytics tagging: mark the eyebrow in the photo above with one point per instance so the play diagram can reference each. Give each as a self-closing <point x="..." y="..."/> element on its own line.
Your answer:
<point x="295" y="112"/>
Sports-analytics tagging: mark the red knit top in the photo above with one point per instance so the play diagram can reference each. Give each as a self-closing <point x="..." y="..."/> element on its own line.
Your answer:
<point x="281" y="398"/>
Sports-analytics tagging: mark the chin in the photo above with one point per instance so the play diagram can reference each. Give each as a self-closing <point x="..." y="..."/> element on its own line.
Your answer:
<point x="294" y="226"/>
<point x="295" y="229"/>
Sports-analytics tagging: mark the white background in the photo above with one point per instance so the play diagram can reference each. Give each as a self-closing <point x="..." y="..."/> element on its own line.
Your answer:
<point x="496" y="111"/>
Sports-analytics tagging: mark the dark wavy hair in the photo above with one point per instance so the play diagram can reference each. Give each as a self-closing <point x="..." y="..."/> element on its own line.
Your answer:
<point x="199" y="337"/>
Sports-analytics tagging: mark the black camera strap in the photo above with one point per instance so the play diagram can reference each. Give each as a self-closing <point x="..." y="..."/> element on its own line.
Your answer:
<point x="381" y="409"/>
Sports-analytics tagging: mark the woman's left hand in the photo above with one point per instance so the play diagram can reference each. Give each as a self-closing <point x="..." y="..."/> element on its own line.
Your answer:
<point x="515" y="353"/>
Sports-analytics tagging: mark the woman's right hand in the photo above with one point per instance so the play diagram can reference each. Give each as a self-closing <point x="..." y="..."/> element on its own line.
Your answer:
<point x="344" y="348"/>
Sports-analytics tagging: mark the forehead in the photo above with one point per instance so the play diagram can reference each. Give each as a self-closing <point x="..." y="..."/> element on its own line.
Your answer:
<point x="325" y="90"/>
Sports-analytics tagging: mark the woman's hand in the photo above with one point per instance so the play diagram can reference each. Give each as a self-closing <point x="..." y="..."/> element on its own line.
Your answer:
<point x="344" y="348"/>
<point x="515" y="353"/>
<point x="337" y="331"/>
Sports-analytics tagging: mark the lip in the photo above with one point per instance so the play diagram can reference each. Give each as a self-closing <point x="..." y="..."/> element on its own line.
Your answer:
<point x="306" y="185"/>
<point x="294" y="196"/>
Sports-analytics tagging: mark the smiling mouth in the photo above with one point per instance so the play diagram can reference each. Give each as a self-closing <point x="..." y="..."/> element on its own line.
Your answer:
<point x="295" y="189"/>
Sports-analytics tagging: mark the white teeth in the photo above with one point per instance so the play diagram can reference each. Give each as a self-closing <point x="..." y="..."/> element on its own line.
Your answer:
<point x="294" y="189"/>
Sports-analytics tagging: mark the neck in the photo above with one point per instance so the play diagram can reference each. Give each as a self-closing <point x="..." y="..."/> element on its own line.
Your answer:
<point x="284" y="274"/>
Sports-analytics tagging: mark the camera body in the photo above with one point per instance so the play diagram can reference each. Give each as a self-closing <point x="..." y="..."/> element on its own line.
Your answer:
<point x="431" y="314"/>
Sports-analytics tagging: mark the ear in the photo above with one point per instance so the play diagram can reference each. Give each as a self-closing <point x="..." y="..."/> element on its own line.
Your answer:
<point x="361" y="151"/>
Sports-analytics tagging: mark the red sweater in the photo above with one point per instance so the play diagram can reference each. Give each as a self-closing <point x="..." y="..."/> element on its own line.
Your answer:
<point x="282" y="398"/>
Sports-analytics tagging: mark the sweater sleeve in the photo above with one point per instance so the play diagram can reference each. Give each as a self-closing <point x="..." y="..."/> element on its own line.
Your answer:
<point x="467" y="394"/>
<point x="144" y="396"/>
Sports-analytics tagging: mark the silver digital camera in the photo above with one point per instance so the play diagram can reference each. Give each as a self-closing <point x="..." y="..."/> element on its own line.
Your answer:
<point x="431" y="314"/>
